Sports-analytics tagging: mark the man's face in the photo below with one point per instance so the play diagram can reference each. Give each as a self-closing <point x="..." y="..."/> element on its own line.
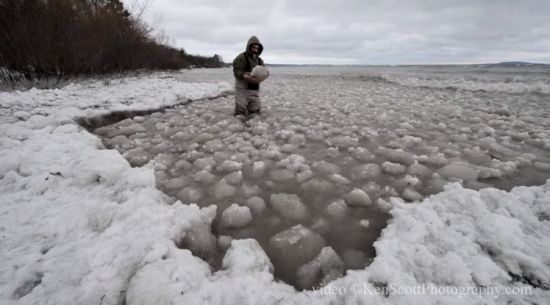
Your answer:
<point x="255" y="49"/>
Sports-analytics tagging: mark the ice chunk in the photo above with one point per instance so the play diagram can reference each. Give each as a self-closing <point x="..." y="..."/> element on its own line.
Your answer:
<point x="314" y="136"/>
<point x="271" y="153"/>
<point x="245" y="257"/>
<point x="163" y="161"/>
<point x="487" y="172"/>
<point x="297" y="139"/>
<point x="214" y="129"/>
<point x="224" y="242"/>
<point x="240" y="157"/>
<point x="160" y="148"/>
<point x="358" y="197"/>
<point x="337" y="209"/>
<point x="204" y="177"/>
<point x="183" y="164"/>
<point x="137" y="156"/>
<point x="102" y="131"/>
<point x="436" y="184"/>
<point x="258" y="169"/>
<point x="260" y="73"/>
<point x="406" y="181"/>
<point x="339" y="179"/>
<point x="230" y="166"/>
<point x="203" y="163"/>
<point x="236" y="216"/>
<point x="372" y="188"/>
<point x="182" y="136"/>
<point x="284" y="134"/>
<point x="459" y="170"/>
<point x="317" y="186"/>
<point x="223" y="190"/>
<point x="289" y="206"/>
<point x="220" y="156"/>
<point x="288" y="148"/>
<point x="203" y="137"/>
<point x="235" y="127"/>
<point x="361" y="154"/>
<point x="365" y="223"/>
<point x="476" y="185"/>
<point x="128" y="130"/>
<point x="411" y="194"/>
<point x="234" y="178"/>
<point x="249" y="190"/>
<point x="294" y="163"/>
<point x="411" y="141"/>
<point x="121" y="143"/>
<point x="542" y="166"/>
<point x="343" y="141"/>
<point x="419" y="170"/>
<point x="397" y="155"/>
<point x="393" y="168"/>
<point x="438" y="159"/>
<point x="507" y="168"/>
<point x="320" y="225"/>
<point x="525" y="159"/>
<point x="476" y="155"/>
<point x="366" y="171"/>
<point x="281" y="174"/>
<point x="303" y="176"/>
<point x="325" y="267"/>
<point x="256" y="204"/>
<point x="326" y="168"/>
<point x="177" y="183"/>
<point x="200" y="241"/>
<point x="189" y="195"/>
<point x="213" y="145"/>
<point x="294" y="247"/>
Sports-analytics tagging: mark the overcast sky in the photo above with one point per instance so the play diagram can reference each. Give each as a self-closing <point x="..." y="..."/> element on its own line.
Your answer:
<point x="360" y="31"/>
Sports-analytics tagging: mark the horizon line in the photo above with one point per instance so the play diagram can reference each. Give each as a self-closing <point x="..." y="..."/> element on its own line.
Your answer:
<point x="504" y="63"/>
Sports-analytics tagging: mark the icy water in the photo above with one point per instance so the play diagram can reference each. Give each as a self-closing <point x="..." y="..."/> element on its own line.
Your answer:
<point x="333" y="145"/>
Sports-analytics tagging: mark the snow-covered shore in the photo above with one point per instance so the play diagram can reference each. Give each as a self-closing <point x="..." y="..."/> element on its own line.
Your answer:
<point x="78" y="225"/>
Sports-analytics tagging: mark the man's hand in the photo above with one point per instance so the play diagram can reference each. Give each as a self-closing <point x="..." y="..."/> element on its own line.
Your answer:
<point x="250" y="79"/>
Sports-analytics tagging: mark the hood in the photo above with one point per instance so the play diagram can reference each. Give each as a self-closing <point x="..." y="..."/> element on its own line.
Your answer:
<point x="254" y="40"/>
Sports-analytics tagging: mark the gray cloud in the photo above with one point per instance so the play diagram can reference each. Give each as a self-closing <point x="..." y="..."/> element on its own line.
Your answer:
<point x="361" y="32"/>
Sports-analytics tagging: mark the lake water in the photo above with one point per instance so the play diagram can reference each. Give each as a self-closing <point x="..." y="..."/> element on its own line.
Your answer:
<point x="333" y="145"/>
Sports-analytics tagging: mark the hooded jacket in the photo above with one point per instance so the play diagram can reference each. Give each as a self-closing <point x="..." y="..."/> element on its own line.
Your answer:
<point x="245" y="62"/>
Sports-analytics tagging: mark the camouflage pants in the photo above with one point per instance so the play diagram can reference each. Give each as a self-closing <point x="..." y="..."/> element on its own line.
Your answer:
<point x="246" y="101"/>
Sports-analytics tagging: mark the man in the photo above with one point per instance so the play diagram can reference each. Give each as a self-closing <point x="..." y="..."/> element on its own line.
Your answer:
<point x="247" y="88"/>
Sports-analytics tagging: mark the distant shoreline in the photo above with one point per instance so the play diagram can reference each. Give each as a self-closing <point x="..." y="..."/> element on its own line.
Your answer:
<point x="500" y="64"/>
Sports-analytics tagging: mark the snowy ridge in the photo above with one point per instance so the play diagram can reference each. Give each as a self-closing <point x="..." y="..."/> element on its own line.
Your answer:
<point x="441" y="243"/>
<point x="102" y="97"/>
<point x="80" y="226"/>
<point x="78" y="221"/>
<point x="471" y="83"/>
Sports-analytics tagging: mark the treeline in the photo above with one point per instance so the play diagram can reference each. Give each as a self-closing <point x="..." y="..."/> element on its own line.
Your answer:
<point x="64" y="38"/>
<point x="215" y="61"/>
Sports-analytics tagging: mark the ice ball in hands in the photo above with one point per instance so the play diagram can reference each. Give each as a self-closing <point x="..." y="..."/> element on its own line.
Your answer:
<point x="260" y="73"/>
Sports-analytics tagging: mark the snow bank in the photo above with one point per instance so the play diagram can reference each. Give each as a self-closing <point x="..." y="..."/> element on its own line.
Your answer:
<point x="77" y="222"/>
<point x="103" y="97"/>
<point x="457" y="247"/>
<point x="80" y="226"/>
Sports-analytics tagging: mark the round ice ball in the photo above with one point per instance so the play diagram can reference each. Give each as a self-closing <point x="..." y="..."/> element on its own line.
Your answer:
<point x="260" y="73"/>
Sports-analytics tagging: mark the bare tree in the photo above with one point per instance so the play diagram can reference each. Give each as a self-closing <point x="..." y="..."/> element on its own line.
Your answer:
<point x="64" y="38"/>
